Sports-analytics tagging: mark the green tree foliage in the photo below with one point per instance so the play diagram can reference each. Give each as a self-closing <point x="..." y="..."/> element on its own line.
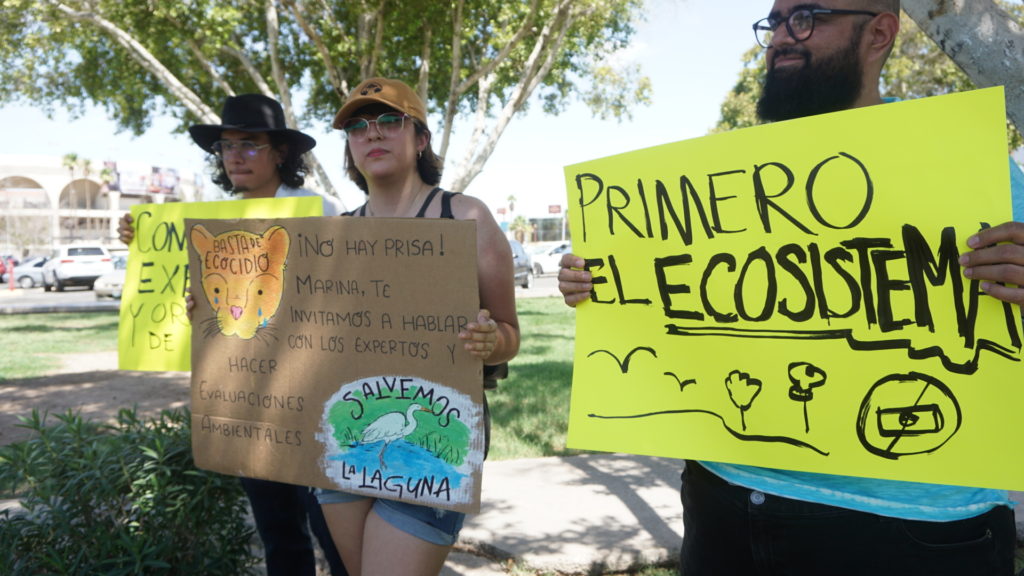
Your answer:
<point x="476" y="61"/>
<point x="917" y="68"/>
<point x="739" y="109"/>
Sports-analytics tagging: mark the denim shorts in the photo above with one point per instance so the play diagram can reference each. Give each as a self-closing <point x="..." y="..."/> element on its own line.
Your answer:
<point x="434" y="525"/>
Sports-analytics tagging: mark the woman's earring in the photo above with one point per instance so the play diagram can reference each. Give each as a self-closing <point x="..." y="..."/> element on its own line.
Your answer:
<point x="420" y="155"/>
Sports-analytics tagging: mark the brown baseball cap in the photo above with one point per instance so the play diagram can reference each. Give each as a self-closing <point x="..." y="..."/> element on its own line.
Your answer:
<point x="393" y="93"/>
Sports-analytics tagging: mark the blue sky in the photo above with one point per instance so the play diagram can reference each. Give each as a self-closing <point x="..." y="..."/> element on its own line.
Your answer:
<point x="691" y="50"/>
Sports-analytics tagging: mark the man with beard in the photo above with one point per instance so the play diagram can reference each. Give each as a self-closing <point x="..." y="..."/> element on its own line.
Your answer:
<point x="826" y="57"/>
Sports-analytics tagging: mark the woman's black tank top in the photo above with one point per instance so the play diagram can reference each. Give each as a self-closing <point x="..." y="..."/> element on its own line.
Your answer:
<point x="446" y="205"/>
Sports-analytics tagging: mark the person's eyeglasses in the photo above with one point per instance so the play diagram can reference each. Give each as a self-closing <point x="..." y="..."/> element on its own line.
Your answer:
<point x="800" y="23"/>
<point x="388" y="124"/>
<point x="242" y="147"/>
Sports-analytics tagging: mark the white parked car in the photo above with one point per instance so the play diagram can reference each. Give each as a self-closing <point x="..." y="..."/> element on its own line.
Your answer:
<point x="78" y="265"/>
<point x="547" y="256"/>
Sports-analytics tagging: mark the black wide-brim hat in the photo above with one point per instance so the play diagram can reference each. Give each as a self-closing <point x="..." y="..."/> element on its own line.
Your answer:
<point x="251" y="113"/>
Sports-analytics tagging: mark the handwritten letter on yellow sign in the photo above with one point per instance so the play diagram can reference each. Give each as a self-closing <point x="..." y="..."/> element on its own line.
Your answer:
<point x="789" y="296"/>
<point x="153" y="330"/>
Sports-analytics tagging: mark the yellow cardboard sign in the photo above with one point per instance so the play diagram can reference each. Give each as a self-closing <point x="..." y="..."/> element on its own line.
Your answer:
<point x="153" y="329"/>
<point x="789" y="296"/>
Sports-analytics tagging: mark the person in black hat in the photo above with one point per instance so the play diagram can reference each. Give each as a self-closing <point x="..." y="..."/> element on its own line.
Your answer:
<point x="253" y="153"/>
<point x="256" y="155"/>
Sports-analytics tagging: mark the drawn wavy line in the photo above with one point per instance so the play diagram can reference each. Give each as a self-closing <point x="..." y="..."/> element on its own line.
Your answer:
<point x="968" y="367"/>
<point x="624" y="363"/>
<point x="737" y="435"/>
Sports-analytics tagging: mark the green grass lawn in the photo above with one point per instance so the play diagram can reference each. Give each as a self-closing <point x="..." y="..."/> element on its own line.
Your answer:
<point x="530" y="409"/>
<point x="31" y="344"/>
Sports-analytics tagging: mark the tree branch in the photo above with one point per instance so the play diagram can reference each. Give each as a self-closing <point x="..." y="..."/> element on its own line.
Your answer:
<point x="370" y="19"/>
<point x="276" y="72"/>
<point x="192" y="102"/>
<point x="207" y="65"/>
<point x="250" y="68"/>
<point x="451" y="106"/>
<point x="543" y="56"/>
<point x="500" y="57"/>
<point x="423" y="82"/>
<point x="983" y="40"/>
<point x="378" y="40"/>
<point x="334" y="75"/>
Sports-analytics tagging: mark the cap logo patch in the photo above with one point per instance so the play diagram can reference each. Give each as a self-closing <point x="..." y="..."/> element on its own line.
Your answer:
<point x="372" y="87"/>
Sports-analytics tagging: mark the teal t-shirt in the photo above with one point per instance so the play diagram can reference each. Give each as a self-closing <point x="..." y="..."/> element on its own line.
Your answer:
<point x="909" y="500"/>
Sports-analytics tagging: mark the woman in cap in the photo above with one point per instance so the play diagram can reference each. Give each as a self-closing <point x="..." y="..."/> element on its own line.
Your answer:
<point x="388" y="155"/>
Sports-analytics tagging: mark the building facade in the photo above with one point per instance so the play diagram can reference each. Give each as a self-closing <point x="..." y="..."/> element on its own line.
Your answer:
<point x="50" y="201"/>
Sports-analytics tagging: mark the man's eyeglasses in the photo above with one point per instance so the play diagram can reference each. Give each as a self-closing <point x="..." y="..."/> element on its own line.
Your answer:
<point x="388" y="124"/>
<point x="800" y="23"/>
<point x="242" y="147"/>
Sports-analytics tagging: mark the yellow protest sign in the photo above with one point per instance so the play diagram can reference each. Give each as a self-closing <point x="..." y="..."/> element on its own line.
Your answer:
<point x="153" y="329"/>
<point x="790" y="296"/>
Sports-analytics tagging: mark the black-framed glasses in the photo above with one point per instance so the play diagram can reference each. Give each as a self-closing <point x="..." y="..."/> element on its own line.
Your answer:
<point x="388" y="124"/>
<point x="799" y="24"/>
<point x="241" y="147"/>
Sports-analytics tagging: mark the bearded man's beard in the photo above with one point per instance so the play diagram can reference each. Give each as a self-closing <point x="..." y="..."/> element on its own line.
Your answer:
<point x="829" y="84"/>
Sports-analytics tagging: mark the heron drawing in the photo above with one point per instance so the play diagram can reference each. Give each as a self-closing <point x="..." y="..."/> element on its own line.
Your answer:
<point x="390" y="427"/>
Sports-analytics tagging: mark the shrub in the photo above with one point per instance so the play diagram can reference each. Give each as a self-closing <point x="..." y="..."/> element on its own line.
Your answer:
<point x="118" y="499"/>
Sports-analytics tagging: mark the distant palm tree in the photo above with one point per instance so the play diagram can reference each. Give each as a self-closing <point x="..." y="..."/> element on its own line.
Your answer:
<point x="74" y="164"/>
<point x="86" y="165"/>
<point x="521" y="229"/>
<point x="70" y="161"/>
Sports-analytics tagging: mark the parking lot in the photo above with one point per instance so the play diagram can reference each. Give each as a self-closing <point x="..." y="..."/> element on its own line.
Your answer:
<point x="82" y="299"/>
<point x="37" y="300"/>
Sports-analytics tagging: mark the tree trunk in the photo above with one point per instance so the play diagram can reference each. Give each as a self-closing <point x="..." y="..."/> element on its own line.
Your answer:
<point x="983" y="40"/>
<point x="323" y="181"/>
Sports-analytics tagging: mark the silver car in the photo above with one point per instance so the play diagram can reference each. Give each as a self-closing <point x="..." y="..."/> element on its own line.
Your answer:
<point x="78" y="265"/>
<point x="29" y="273"/>
<point x="111" y="284"/>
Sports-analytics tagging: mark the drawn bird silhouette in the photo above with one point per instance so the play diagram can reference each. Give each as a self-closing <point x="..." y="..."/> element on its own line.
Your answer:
<point x="624" y="363"/>
<point x="390" y="427"/>
<point x="682" y="383"/>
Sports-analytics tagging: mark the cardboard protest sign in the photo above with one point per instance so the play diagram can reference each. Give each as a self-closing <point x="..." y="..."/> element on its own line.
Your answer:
<point x="153" y="329"/>
<point x="790" y="296"/>
<point x="326" y="353"/>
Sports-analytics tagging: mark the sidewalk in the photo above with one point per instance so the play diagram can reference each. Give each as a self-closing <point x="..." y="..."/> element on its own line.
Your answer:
<point x="587" y="514"/>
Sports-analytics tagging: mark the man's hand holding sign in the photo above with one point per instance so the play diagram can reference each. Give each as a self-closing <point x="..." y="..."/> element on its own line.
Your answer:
<point x="997" y="259"/>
